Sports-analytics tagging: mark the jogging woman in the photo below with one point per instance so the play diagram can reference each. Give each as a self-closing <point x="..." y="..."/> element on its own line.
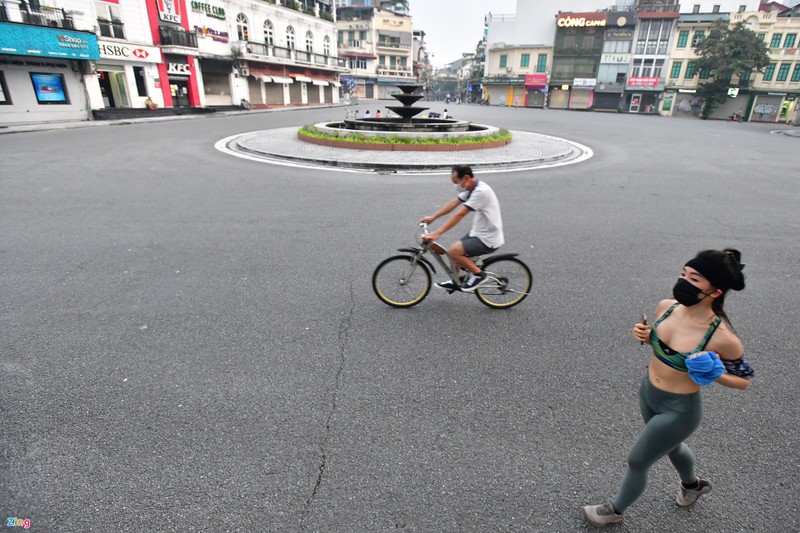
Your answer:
<point x="693" y="345"/>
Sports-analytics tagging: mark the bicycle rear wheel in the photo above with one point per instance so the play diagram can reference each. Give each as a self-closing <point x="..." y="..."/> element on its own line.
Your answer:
<point x="400" y="281"/>
<point x="510" y="282"/>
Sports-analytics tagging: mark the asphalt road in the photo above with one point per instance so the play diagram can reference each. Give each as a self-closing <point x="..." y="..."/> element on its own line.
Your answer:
<point x="190" y="341"/>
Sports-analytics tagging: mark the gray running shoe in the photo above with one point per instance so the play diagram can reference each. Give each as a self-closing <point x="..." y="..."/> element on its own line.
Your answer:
<point x="601" y="515"/>
<point x="687" y="497"/>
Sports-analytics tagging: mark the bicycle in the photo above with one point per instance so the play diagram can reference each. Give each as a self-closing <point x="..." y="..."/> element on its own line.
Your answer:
<point x="405" y="280"/>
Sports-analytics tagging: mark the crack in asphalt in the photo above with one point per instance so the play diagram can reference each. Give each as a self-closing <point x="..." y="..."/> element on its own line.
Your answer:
<point x="343" y="337"/>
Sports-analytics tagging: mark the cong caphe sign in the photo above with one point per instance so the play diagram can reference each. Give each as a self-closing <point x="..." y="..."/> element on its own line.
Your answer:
<point x="581" y="20"/>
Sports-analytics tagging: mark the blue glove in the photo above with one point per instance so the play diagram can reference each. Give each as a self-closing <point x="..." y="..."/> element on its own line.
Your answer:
<point x="704" y="367"/>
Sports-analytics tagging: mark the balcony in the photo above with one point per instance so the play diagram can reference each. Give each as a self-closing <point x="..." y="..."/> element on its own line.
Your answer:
<point x="394" y="45"/>
<point x="111" y="28"/>
<point x="395" y="71"/>
<point x="39" y="15"/>
<point x="174" y="41"/>
<point x="260" y="51"/>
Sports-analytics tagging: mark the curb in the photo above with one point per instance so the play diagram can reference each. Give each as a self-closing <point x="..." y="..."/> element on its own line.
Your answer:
<point x="578" y="152"/>
<point x="52" y="126"/>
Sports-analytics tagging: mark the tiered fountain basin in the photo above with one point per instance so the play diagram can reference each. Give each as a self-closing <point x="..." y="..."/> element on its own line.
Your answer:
<point x="395" y="135"/>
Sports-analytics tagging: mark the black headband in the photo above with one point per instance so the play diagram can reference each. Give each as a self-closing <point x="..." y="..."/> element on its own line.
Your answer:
<point x="711" y="272"/>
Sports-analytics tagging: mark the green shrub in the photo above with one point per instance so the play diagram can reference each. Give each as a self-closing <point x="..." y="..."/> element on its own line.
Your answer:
<point x="358" y="137"/>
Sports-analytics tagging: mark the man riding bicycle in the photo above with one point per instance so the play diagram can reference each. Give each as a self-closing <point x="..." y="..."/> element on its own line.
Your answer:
<point x="486" y="234"/>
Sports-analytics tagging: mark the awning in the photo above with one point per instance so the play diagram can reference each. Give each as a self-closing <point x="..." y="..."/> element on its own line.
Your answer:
<point x="303" y="78"/>
<point x="265" y="79"/>
<point x="321" y="83"/>
<point x="280" y="79"/>
<point x="336" y="84"/>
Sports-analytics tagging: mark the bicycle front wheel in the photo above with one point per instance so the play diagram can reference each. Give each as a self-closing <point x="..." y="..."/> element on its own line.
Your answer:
<point x="400" y="281"/>
<point x="509" y="283"/>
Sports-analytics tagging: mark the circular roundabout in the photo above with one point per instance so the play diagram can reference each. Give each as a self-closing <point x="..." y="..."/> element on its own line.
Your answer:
<point x="527" y="151"/>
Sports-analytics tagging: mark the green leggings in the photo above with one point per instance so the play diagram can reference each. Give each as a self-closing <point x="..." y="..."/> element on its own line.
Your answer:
<point x="669" y="420"/>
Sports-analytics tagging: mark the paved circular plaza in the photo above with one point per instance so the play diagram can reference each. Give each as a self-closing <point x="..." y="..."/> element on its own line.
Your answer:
<point x="527" y="151"/>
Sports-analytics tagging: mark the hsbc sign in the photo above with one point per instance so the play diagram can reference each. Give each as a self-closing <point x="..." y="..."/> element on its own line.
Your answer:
<point x="129" y="52"/>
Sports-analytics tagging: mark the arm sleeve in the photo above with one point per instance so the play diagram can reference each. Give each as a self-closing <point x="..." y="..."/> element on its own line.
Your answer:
<point x="476" y="201"/>
<point x="739" y="367"/>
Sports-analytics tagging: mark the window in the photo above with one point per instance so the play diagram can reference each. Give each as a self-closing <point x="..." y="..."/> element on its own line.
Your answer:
<point x="789" y="41"/>
<point x="783" y="72"/>
<point x="109" y="20"/>
<point x="340" y="37"/>
<point x="769" y="72"/>
<point x="358" y="63"/>
<point x="704" y="73"/>
<point x="699" y="37"/>
<point x="49" y="88"/>
<point x="761" y="36"/>
<point x="541" y="63"/>
<point x="569" y="41"/>
<point x="683" y="38"/>
<point x="362" y="35"/>
<point x="241" y="27"/>
<point x="796" y="73"/>
<point x="326" y="46"/>
<point x="659" y="66"/>
<point x="715" y="9"/>
<point x="525" y="61"/>
<point x="402" y="61"/>
<point x="290" y="38"/>
<point x="309" y="42"/>
<point x="269" y="33"/>
<point x="742" y="8"/>
<point x="691" y="66"/>
<point x="588" y="41"/>
<point x="503" y="61"/>
<point x="382" y="60"/>
<point x="676" y="69"/>
<point x="141" y="87"/>
<point x="696" y="8"/>
<point x="5" y="98"/>
<point x="776" y="40"/>
<point x="744" y="77"/>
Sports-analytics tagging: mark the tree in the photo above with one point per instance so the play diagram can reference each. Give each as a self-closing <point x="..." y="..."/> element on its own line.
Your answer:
<point x="728" y="50"/>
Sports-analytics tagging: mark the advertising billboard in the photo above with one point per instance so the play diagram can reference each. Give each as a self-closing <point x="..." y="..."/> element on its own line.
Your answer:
<point x="49" y="88"/>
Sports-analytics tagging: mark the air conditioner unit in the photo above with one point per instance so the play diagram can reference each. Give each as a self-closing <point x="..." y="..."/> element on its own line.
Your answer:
<point x="241" y="64"/>
<point x="244" y="72"/>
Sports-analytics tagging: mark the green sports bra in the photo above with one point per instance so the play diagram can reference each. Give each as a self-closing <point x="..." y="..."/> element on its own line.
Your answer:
<point x="670" y="357"/>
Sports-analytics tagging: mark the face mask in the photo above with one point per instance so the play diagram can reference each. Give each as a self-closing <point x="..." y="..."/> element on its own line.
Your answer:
<point x="686" y="293"/>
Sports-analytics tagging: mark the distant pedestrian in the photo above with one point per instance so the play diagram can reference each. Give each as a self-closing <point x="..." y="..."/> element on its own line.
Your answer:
<point x="378" y="114"/>
<point x="445" y="114"/>
<point x="366" y="114"/>
<point x="516" y="101"/>
<point x="693" y="346"/>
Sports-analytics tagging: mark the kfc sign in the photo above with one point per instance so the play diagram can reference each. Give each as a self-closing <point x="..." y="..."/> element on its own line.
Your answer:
<point x="178" y="69"/>
<point x="581" y="20"/>
<point x="123" y="51"/>
<point x="169" y="10"/>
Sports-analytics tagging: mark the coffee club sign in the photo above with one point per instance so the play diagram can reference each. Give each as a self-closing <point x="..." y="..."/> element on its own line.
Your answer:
<point x="581" y="20"/>
<point x="211" y="11"/>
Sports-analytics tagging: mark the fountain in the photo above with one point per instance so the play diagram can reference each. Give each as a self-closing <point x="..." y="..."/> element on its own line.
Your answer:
<point x="407" y="132"/>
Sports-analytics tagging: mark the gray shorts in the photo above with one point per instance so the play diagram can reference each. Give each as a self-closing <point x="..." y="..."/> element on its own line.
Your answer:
<point x="474" y="247"/>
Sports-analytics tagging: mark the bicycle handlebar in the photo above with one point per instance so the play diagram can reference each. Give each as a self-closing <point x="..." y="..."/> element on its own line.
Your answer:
<point x="424" y="226"/>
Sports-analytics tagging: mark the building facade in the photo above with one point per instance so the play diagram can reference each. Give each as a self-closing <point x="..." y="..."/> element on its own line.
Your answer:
<point x="377" y="43"/>
<point x="769" y="96"/>
<point x="517" y="75"/>
<point x="576" y="59"/>
<point x="47" y="55"/>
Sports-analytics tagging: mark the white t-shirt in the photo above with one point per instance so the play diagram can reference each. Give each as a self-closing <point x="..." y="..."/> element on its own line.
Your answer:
<point x="487" y="224"/>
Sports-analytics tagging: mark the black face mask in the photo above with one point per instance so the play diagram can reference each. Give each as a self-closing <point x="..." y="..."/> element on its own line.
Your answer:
<point x="686" y="293"/>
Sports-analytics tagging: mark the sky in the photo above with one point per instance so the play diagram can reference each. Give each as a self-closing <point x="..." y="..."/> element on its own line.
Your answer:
<point x="453" y="27"/>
